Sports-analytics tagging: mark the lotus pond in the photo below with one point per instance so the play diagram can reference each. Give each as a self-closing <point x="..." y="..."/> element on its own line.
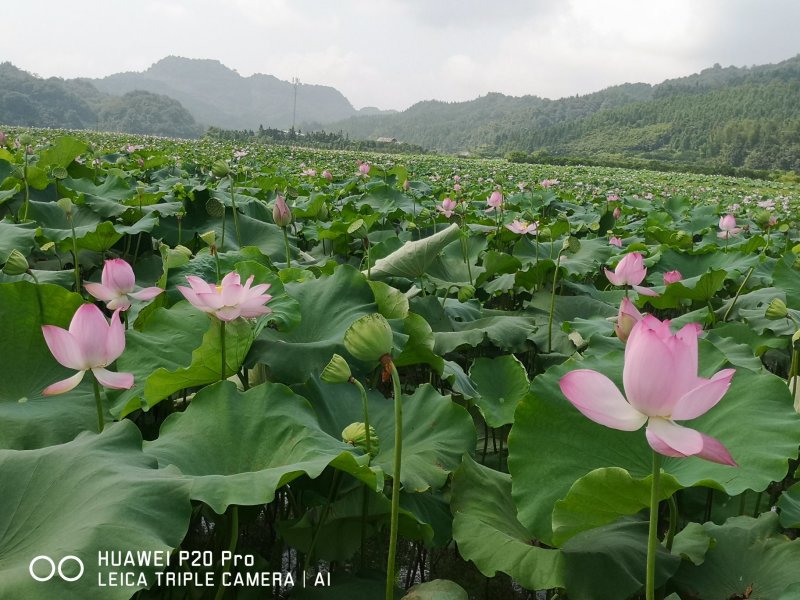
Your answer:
<point x="270" y="372"/>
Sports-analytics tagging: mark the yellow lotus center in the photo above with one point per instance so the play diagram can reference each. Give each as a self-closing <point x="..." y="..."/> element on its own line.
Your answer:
<point x="219" y="289"/>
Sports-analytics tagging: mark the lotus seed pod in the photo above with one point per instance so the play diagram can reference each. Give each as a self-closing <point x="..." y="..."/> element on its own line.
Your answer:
<point x="357" y="229"/>
<point x="466" y="292"/>
<point x="220" y="169"/>
<point x="209" y="237"/>
<point x="355" y="434"/>
<point x="66" y="205"/>
<point x="215" y="208"/>
<point x="16" y="264"/>
<point x="336" y="371"/>
<point x="60" y="173"/>
<point x="776" y="310"/>
<point x="571" y="244"/>
<point x="369" y="338"/>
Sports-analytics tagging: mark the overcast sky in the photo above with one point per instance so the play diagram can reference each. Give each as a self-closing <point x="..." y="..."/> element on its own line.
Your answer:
<point x="392" y="53"/>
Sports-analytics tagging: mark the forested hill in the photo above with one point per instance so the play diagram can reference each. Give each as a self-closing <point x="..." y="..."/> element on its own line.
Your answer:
<point x="721" y="116"/>
<point x="76" y="104"/>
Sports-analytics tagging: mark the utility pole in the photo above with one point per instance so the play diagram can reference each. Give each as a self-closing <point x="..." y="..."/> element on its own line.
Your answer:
<point x="295" y="83"/>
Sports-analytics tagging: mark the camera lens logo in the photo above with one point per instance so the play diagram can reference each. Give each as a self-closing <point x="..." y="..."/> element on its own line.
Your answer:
<point x="53" y="568"/>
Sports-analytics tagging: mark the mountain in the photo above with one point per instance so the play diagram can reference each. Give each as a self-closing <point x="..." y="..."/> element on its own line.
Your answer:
<point x="738" y="116"/>
<point x="220" y="97"/>
<point x="76" y="104"/>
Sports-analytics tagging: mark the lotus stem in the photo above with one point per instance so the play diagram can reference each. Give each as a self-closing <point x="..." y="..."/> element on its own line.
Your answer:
<point x="673" y="522"/>
<point x="222" y="349"/>
<point x="552" y="306"/>
<point x="286" y="245"/>
<point x="365" y="407"/>
<point x="235" y="213"/>
<point x="337" y="478"/>
<point x="652" y="535"/>
<point x="232" y="548"/>
<point x="398" y="449"/>
<point x="738" y="293"/>
<point x="101" y="420"/>
<point x="75" y="256"/>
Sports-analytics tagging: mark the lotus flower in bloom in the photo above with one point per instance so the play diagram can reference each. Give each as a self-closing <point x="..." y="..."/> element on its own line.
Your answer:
<point x="728" y="227"/>
<point x="229" y="300"/>
<point x="116" y="286"/>
<point x="615" y="241"/>
<point x="630" y="271"/>
<point x="91" y="343"/>
<point x="522" y="228"/>
<point x="627" y="317"/>
<point x="363" y="168"/>
<point x="327" y="175"/>
<point x="672" y="277"/>
<point x="617" y="212"/>
<point x="546" y="183"/>
<point x="495" y="201"/>
<point x="661" y="386"/>
<point x="446" y="207"/>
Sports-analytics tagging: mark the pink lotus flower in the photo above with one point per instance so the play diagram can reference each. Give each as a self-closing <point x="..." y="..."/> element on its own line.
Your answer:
<point x="446" y="207"/>
<point x="615" y="241"/>
<point x="546" y="183"/>
<point x="495" y="201"/>
<point x="523" y="228"/>
<point x="627" y="317"/>
<point x="116" y="286"/>
<point x="229" y="300"/>
<point x="309" y="172"/>
<point x="281" y="213"/>
<point x="363" y="168"/>
<point x="612" y="198"/>
<point x="327" y="175"/>
<point x="91" y="343"/>
<point x="661" y="386"/>
<point x="728" y="226"/>
<point x="672" y="277"/>
<point x="456" y="178"/>
<point x="457" y="187"/>
<point x="617" y="212"/>
<point x="240" y="153"/>
<point x="630" y="271"/>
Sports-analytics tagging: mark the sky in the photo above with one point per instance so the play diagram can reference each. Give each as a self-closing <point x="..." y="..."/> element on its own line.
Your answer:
<point x="393" y="53"/>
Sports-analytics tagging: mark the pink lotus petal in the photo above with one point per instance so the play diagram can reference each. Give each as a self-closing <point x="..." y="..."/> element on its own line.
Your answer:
<point x="192" y="297"/>
<point x="118" y="275"/>
<point x="260" y="289"/>
<point x="596" y="396"/>
<point x="231" y="278"/>
<point x="613" y="278"/>
<point x="627" y="317"/>
<point x="212" y="300"/>
<point x="228" y="313"/>
<point x="64" y="347"/>
<point x="64" y="385"/>
<point x="115" y="381"/>
<point x="670" y="439"/>
<point x="644" y="291"/>
<point x="648" y="372"/>
<point x="90" y="328"/>
<point x="198" y="285"/>
<point x="146" y="294"/>
<point x="715" y="451"/>
<point x="703" y="397"/>
<point x="101" y="292"/>
<point x="254" y="308"/>
<point x="121" y="303"/>
<point x="115" y="340"/>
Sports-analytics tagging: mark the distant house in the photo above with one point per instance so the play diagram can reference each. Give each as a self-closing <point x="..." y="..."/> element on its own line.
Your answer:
<point x="387" y="140"/>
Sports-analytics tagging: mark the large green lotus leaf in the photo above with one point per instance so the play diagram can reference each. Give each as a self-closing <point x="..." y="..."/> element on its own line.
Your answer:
<point x="328" y="306"/>
<point x="692" y="543"/>
<point x="504" y="330"/>
<point x="760" y="429"/>
<point x="487" y="531"/>
<point x="16" y="236"/>
<point x="412" y="260"/>
<point x="789" y="505"/>
<point x="601" y="497"/>
<point x="695" y="265"/>
<point x="438" y="589"/>
<point x="384" y="199"/>
<point x="701" y="288"/>
<point x="448" y="267"/>
<point x="609" y="562"/>
<point x="749" y="558"/>
<point x="436" y="431"/>
<point x="392" y="303"/>
<point x="501" y="383"/>
<point x="95" y="493"/>
<point x="28" y="419"/>
<point x="588" y="258"/>
<point x="240" y="447"/>
<point x="178" y="348"/>
<point x="787" y="277"/>
<point x="63" y="151"/>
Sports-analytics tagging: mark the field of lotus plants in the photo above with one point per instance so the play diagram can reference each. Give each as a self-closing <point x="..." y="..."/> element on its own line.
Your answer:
<point x="272" y="372"/>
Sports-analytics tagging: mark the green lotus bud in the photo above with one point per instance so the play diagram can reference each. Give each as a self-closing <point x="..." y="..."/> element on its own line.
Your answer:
<point x="369" y="338"/>
<point x="357" y="229"/>
<point x="466" y="292"/>
<point x="336" y="371"/>
<point x="355" y="434"/>
<point x="776" y="310"/>
<point x="209" y="237"/>
<point x="66" y="206"/>
<point x="220" y="169"/>
<point x="762" y="218"/>
<point x="60" y="173"/>
<point x="175" y="257"/>
<point x="424" y="214"/>
<point x="16" y="264"/>
<point x="122" y="161"/>
<point x="25" y="139"/>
